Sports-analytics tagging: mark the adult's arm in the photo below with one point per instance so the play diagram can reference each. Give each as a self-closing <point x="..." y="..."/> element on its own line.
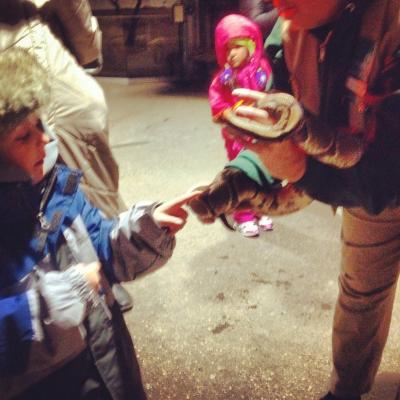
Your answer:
<point x="74" y="22"/>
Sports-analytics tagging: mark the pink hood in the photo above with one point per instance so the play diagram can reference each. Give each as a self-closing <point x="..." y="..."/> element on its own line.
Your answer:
<point x="236" y="26"/>
<point x="230" y="27"/>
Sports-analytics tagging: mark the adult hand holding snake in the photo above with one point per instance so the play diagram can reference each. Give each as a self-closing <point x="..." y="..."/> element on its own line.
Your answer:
<point x="268" y="122"/>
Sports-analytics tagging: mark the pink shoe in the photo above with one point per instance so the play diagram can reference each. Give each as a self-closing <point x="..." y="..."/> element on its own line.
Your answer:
<point x="265" y="223"/>
<point x="248" y="228"/>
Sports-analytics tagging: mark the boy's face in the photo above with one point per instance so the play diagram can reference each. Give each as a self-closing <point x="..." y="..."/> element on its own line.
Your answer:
<point x="308" y="14"/>
<point x="24" y="147"/>
<point x="237" y="55"/>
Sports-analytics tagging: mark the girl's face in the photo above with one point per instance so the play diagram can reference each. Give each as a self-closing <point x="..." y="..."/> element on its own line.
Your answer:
<point x="237" y="55"/>
<point x="308" y="14"/>
<point x="24" y="147"/>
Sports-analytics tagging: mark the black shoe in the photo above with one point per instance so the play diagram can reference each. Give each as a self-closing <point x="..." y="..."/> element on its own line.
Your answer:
<point x="122" y="297"/>
<point x="330" y="396"/>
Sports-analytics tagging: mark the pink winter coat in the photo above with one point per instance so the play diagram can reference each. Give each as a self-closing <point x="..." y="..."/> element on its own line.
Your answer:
<point x="254" y="75"/>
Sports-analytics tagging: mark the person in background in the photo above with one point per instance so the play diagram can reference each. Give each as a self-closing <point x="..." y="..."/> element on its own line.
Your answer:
<point x="66" y="39"/>
<point x="262" y="12"/>
<point x="238" y="46"/>
<point x="62" y="335"/>
<point x="343" y="63"/>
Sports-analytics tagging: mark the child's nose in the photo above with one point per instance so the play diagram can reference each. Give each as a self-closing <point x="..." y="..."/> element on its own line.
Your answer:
<point x="45" y="138"/>
<point x="41" y="135"/>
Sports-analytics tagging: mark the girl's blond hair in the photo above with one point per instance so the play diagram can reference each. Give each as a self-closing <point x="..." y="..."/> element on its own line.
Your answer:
<point x="24" y="87"/>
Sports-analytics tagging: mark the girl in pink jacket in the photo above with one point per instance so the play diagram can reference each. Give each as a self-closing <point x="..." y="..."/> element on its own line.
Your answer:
<point x="239" y="51"/>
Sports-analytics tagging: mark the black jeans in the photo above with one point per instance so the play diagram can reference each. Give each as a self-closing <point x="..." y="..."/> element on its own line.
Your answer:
<point x="77" y="380"/>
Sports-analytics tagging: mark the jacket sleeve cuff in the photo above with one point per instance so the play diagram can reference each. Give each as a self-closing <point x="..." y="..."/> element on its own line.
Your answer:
<point x="138" y="243"/>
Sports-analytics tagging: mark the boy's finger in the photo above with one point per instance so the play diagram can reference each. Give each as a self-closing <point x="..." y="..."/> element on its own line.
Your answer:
<point x="200" y="187"/>
<point x="180" y="200"/>
<point x="248" y="93"/>
<point x="174" y="224"/>
<point x="172" y="220"/>
<point x="181" y="213"/>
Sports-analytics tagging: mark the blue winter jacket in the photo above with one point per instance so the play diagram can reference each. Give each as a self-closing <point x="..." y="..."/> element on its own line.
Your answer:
<point x="48" y="314"/>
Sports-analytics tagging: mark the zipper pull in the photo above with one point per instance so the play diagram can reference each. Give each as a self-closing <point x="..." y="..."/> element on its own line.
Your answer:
<point x="44" y="225"/>
<point x="43" y="231"/>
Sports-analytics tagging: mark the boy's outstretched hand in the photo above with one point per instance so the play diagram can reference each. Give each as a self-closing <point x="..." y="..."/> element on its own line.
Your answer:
<point x="171" y="214"/>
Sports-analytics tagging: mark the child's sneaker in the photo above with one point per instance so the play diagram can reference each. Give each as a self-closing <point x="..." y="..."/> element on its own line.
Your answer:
<point x="248" y="228"/>
<point x="265" y="223"/>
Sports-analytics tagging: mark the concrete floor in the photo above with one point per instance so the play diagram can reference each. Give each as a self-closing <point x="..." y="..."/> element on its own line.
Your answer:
<point x="228" y="318"/>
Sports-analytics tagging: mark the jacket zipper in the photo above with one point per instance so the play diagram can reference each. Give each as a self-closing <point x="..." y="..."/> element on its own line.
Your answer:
<point x="45" y="226"/>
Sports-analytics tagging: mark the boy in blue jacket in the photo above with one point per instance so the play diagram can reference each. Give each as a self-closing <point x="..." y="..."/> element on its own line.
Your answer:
<point x="62" y="335"/>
